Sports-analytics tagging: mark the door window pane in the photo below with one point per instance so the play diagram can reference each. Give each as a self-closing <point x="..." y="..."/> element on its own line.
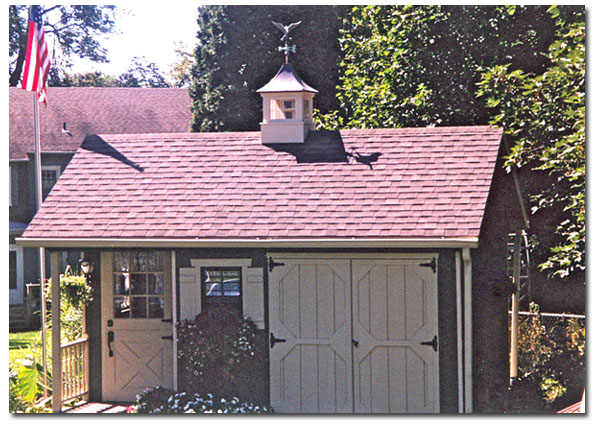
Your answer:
<point x="138" y="283"/>
<point x="121" y="307"/>
<point x="155" y="307"/>
<point x="138" y="307"/>
<point x="155" y="283"/>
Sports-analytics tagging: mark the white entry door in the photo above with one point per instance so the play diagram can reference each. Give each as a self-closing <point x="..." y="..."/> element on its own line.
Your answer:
<point x="136" y="323"/>
<point x="347" y="334"/>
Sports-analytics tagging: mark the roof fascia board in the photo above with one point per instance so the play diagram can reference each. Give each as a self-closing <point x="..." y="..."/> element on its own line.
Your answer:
<point x="459" y="242"/>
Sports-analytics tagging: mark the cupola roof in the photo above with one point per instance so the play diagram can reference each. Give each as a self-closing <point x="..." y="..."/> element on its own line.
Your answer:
<point x="286" y="80"/>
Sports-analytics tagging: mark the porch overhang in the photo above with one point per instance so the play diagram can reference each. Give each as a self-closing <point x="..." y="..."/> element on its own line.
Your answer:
<point x="328" y="243"/>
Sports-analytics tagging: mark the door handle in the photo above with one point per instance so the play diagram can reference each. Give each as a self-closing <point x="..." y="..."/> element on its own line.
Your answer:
<point x="433" y="343"/>
<point x="355" y="343"/>
<point x="274" y="340"/>
<point x="111" y="338"/>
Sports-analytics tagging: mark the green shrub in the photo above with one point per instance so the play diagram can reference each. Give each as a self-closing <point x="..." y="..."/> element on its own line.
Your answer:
<point x="220" y="353"/>
<point x="553" y="356"/>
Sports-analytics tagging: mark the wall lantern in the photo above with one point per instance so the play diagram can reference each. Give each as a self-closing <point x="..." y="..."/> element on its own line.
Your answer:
<point x="86" y="267"/>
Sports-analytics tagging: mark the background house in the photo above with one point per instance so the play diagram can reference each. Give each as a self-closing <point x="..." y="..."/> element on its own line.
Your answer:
<point x="373" y="261"/>
<point x="72" y="114"/>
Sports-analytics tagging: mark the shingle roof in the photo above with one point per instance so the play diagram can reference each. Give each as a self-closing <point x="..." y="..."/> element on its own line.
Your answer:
<point x="91" y="110"/>
<point x="426" y="182"/>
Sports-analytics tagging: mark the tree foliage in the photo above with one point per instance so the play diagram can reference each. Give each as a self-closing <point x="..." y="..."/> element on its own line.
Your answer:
<point x="140" y="73"/>
<point x="418" y="65"/>
<point x="237" y="53"/>
<point x="544" y="117"/>
<point x="143" y="74"/>
<point x="72" y="29"/>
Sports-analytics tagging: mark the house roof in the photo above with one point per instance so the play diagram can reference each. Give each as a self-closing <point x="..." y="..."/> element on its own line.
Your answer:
<point x="92" y="110"/>
<point x="286" y="80"/>
<point x="386" y="183"/>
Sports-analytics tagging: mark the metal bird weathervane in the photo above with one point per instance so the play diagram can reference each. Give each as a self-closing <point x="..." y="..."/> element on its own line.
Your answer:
<point x="286" y="38"/>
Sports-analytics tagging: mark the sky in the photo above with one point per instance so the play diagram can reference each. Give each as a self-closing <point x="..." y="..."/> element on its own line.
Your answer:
<point x="150" y="32"/>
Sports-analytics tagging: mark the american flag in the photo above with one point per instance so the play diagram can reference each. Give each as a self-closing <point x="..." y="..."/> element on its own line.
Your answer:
<point x="37" y="61"/>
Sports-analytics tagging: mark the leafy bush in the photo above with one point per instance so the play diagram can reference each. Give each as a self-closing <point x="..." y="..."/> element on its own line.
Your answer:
<point x="74" y="294"/>
<point x="220" y="353"/>
<point x="553" y="356"/>
<point x="163" y="401"/>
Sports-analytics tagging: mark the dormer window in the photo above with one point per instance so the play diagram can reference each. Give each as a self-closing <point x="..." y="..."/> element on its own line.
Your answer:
<point x="283" y="109"/>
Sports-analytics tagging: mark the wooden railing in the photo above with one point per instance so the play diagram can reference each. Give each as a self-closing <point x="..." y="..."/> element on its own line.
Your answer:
<point x="75" y="368"/>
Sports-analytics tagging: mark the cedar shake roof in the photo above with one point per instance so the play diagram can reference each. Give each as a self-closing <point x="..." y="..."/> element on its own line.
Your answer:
<point x="414" y="182"/>
<point x="92" y="110"/>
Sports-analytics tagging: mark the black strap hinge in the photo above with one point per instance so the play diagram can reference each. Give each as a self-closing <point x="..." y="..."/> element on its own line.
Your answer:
<point x="432" y="265"/>
<point x="273" y="264"/>
<point x="167" y="337"/>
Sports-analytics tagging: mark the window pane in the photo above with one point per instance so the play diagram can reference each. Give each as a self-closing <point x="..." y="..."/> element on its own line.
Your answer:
<point x="213" y="289"/>
<point x="138" y="261"/>
<point x="121" y="261"/>
<point x="121" y="307"/>
<point x="155" y="283"/>
<point x="288" y="104"/>
<point x="12" y="276"/>
<point x="155" y="261"/>
<point x="155" y="307"/>
<point x="231" y="289"/>
<point x="121" y="284"/>
<point x="138" y="307"/>
<point x="138" y="283"/>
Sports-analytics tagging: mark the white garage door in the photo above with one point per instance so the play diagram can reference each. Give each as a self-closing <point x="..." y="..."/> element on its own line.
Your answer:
<point x="347" y="334"/>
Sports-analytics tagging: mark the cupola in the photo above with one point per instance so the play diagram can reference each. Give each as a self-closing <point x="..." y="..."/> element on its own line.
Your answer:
<point x="287" y="101"/>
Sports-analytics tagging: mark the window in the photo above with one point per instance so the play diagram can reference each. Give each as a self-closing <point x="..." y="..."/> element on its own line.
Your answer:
<point x="305" y="108"/>
<point x="12" y="269"/>
<point x="283" y="109"/>
<point x="221" y="285"/>
<point x="139" y="282"/>
<point x="50" y="176"/>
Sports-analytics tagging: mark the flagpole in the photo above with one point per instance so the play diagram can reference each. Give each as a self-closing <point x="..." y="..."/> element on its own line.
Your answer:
<point x="38" y="179"/>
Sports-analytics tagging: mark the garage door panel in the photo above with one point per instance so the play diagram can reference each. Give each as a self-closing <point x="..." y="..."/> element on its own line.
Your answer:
<point x="311" y="370"/>
<point x="322" y="305"/>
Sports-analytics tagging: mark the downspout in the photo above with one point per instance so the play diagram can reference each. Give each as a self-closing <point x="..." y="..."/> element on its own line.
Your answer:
<point x="459" y="333"/>
<point x="174" y="316"/>
<point x="468" y="325"/>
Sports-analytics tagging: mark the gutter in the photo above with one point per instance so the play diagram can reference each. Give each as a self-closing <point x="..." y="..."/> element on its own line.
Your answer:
<point x="330" y="243"/>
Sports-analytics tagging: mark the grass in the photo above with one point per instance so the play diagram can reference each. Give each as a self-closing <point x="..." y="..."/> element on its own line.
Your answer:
<point x="20" y="343"/>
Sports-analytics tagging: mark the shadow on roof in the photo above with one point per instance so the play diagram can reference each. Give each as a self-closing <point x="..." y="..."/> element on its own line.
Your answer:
<point x="96" y="144"/>
<point x="324" y="146"/>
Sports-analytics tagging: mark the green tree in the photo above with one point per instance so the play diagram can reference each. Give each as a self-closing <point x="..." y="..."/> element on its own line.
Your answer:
<point x="87" y="79"/>
<point x="73" y="30"/>
<point x="418" y="65"/>
<point x="544" y="118"/>
<point x="237" y="53"/>
<point x="142" y="73"/>
<point x="181" y="70"/>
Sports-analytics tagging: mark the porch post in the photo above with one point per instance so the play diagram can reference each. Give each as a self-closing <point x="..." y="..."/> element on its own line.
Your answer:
<point x="56" y="351"/>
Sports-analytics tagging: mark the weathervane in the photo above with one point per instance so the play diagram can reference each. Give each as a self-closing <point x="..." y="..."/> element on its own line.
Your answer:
<point x="286" y="38"/>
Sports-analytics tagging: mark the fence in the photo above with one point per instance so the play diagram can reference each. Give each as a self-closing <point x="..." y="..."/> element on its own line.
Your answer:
<point x="75" y="368"/>
<point x="541" y="333"/>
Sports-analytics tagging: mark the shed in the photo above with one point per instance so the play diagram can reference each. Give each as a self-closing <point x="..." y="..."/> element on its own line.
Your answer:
<point x="369" y="258"/>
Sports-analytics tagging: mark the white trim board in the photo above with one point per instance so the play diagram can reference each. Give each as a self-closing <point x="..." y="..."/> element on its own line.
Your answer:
<point x="331" y="243"/>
